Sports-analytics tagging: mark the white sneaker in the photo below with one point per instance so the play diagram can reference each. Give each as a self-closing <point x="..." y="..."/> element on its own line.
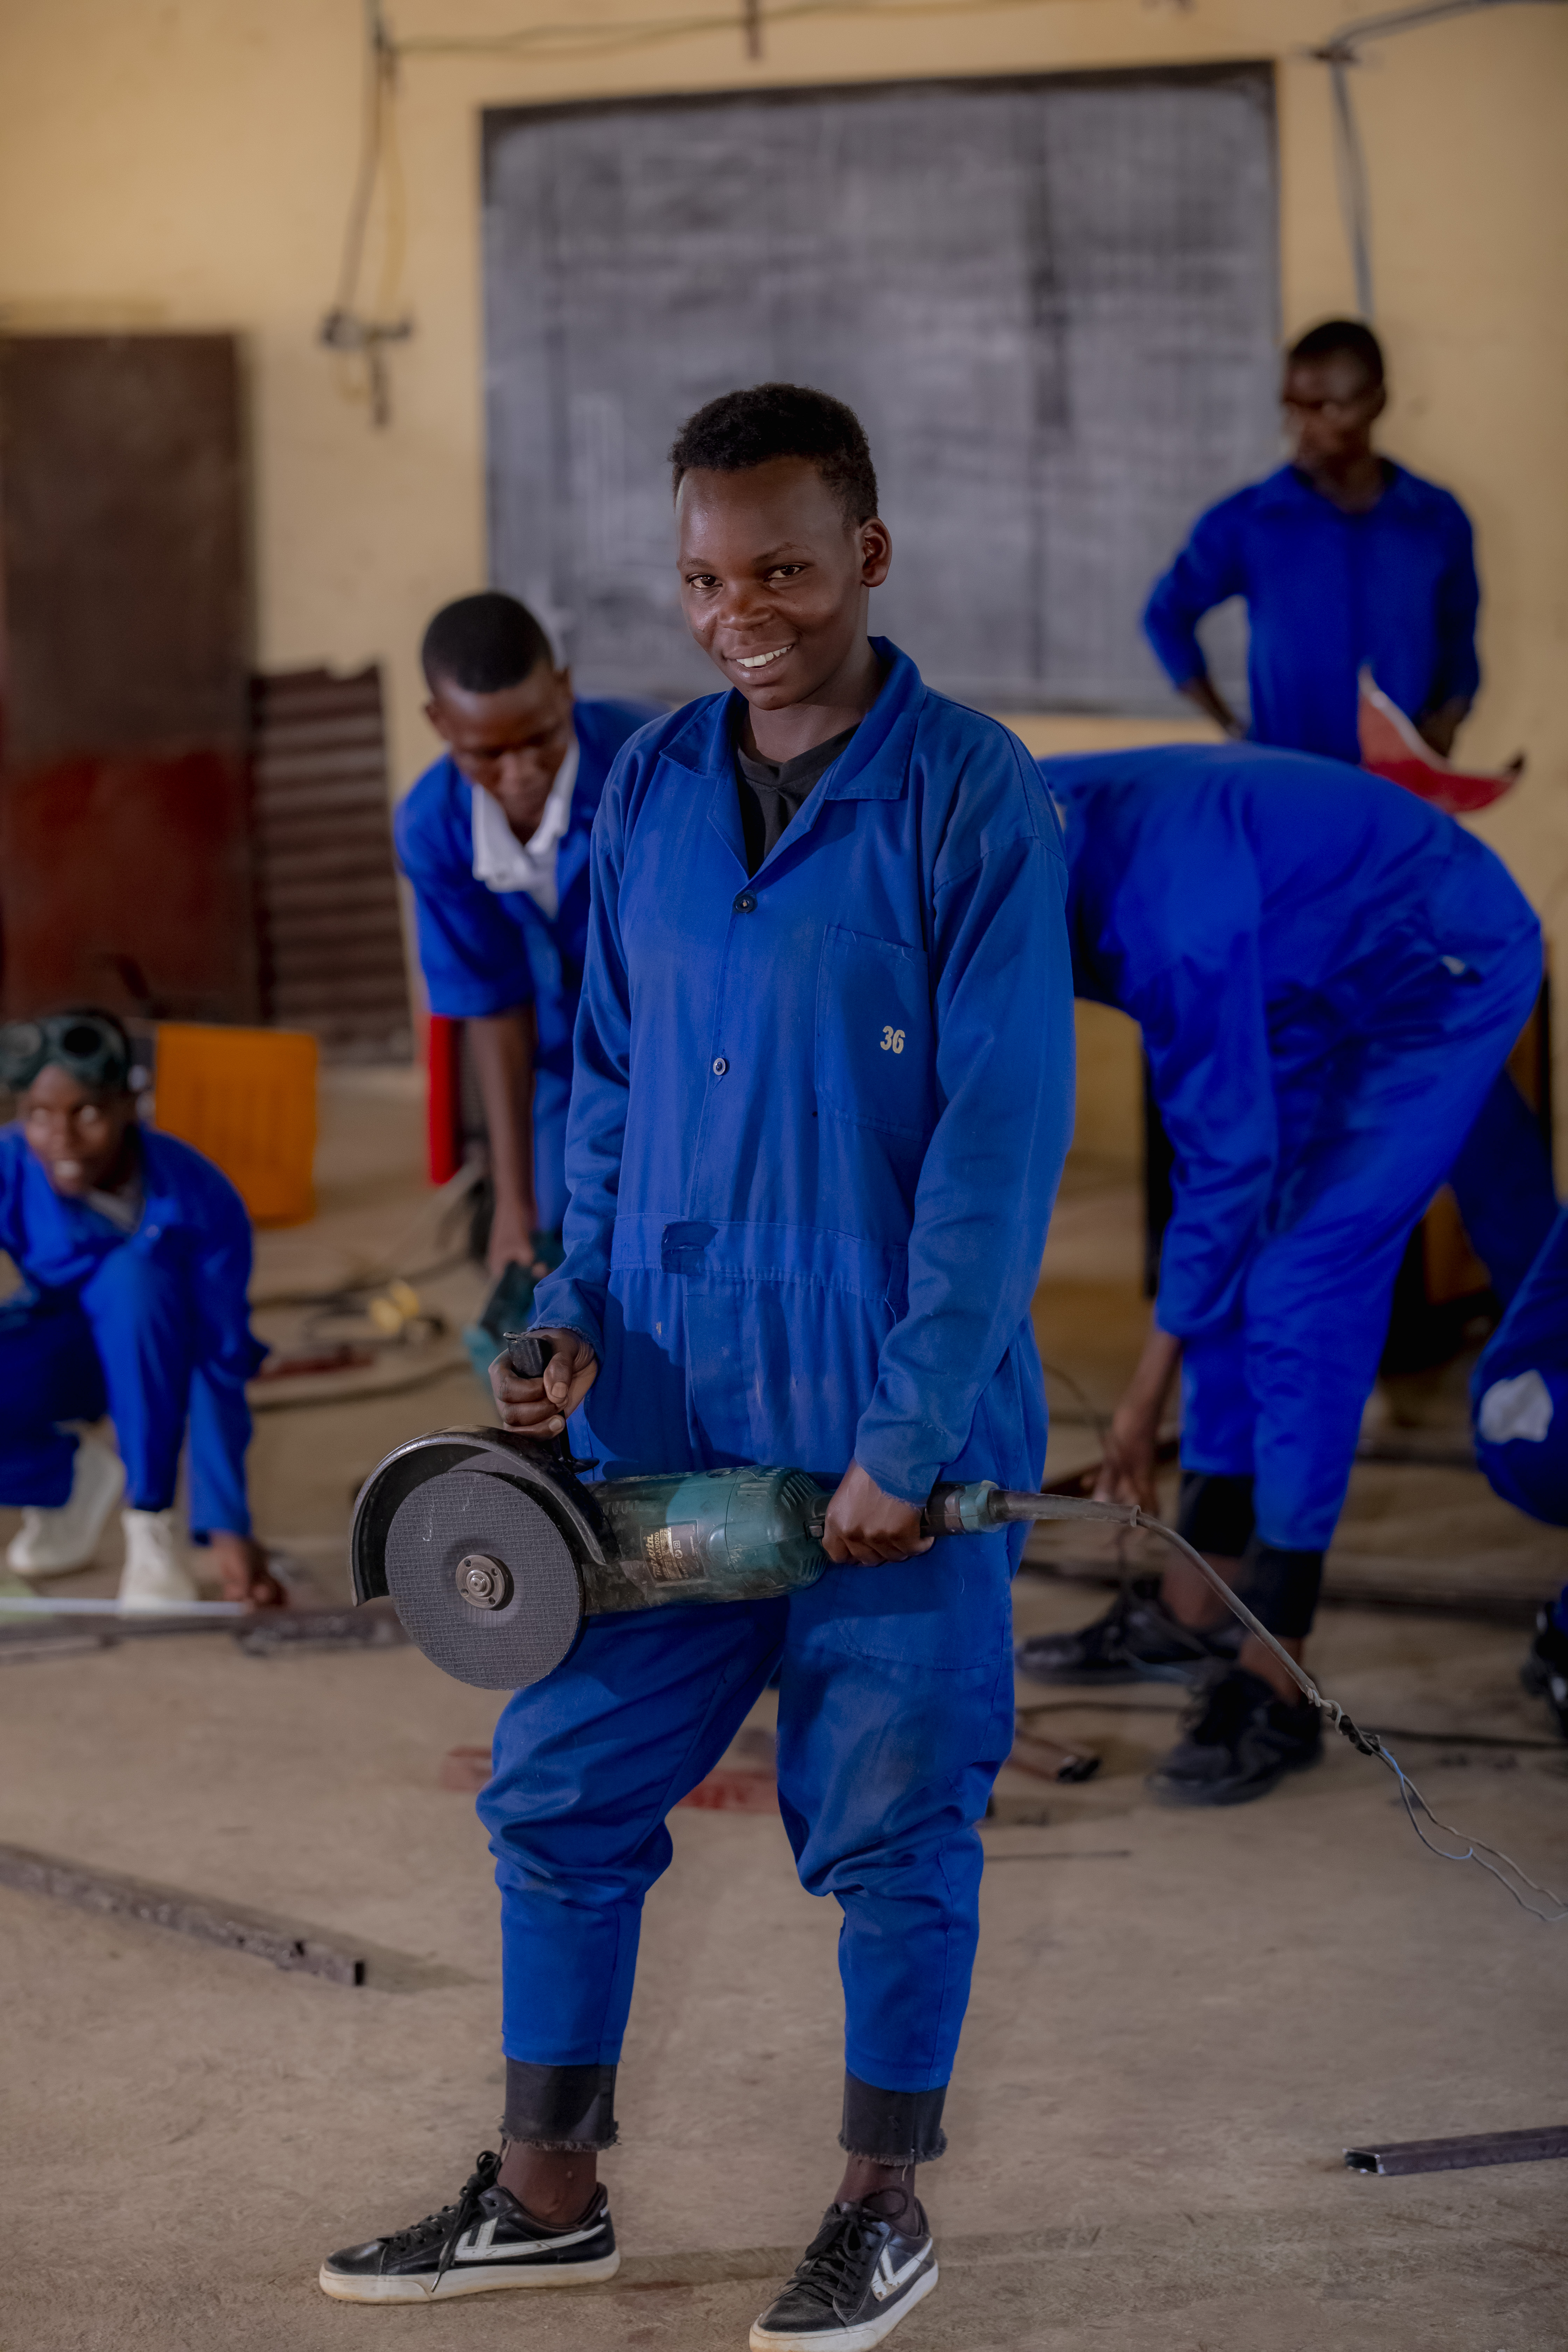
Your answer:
<point x="53" y="1542"/>
<point x="154" y="1575"/>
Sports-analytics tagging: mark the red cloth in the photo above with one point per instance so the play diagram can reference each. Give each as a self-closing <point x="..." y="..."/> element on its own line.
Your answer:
<point x="1391" y="746"/>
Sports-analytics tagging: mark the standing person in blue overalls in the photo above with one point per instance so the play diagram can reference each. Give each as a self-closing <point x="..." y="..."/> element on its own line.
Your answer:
<point x="494" y="838"/>
<point x="1328" y="975"/>
<point x="1344" y="558"/>
<point x="134" y="1252"/>
<point x="823" y="1098"/>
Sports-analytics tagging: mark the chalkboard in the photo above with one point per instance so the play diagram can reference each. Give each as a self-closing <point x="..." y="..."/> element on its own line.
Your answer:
<point x="1053" y="302"/>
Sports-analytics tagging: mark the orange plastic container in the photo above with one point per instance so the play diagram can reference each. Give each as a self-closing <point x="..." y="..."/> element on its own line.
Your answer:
<point x="247" y="1098"/>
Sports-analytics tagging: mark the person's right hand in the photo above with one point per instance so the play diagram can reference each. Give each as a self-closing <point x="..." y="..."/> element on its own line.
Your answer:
<point x="1126" y="1467"/>
<point x="512" y="1240"/>
<point x="541" y="1408"/>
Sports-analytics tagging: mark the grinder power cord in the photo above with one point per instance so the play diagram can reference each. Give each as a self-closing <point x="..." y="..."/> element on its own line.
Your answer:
<point x="495" y="1553"/>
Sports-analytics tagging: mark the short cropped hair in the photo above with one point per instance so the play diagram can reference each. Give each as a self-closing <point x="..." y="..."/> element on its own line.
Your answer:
<point x="483" y="644"/>
<point x="1337" y="335"/>
<point x="743" y="429"/>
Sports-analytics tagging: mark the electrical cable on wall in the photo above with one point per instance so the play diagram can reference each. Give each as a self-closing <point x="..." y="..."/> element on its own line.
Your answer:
<point x="1340" y="52"/>
<point x="346" y="329"/>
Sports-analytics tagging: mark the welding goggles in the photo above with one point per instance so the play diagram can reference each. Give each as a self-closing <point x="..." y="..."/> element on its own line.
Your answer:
<point x="91" y="1047"/>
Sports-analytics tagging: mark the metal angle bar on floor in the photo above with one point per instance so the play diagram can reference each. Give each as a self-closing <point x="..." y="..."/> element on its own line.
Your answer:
<point x="210" y="1919"/>
<point x="1457" y="2155"/>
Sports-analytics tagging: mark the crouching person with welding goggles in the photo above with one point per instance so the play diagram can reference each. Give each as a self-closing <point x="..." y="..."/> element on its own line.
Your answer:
<point x="822" y="1099"/>
<point x="134" y="1252"/>
<point x="1328" y="975"/>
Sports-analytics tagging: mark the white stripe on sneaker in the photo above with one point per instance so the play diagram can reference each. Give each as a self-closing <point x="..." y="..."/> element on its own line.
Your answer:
<point x="478" y="2245"/>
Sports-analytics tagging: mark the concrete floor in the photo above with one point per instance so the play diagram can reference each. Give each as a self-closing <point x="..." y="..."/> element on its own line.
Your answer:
<point x="1178" y="2022"/>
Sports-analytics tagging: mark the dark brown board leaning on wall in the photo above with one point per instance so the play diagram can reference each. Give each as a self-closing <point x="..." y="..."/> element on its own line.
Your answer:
<point x="125" y="868"/>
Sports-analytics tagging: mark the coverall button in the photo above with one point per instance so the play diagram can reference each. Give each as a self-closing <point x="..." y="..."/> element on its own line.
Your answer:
<point x="720" y="1067"/>
<point x="745" y="903"/>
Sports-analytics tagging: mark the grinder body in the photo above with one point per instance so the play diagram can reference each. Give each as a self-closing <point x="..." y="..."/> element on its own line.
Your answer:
<point x="494" y="1553"/>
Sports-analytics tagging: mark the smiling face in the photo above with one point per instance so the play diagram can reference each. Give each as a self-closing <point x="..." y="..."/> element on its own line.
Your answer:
<point x="774" y="582"/>
<point x="510" y="743"/>
<point x="77" y="1133"/>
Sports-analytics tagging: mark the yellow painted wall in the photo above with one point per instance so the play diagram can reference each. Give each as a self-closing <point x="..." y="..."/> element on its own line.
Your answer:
<point x="189" y="163"/>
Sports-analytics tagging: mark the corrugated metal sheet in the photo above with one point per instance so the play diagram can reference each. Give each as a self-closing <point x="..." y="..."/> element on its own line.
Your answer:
<point x="332" y="932"/>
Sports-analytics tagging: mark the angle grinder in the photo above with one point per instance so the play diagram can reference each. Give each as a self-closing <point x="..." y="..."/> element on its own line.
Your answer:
<point x="494" y="1552"/>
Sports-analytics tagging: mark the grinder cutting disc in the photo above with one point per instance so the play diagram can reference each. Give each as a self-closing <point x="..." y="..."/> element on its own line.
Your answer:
<point x="482" y="1579"/>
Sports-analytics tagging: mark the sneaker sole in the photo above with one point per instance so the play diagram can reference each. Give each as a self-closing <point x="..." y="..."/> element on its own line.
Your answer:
<point x="847" y="2339"/>
<point x="1106" y="1678"/>
<point x="491" y="2278"/>
<point x="1197" y="1798"/>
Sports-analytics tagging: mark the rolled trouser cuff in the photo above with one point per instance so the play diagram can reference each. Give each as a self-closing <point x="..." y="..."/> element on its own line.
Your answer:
<point x="1281" y="1587"/>
<point x="892" y="2127"/>
<point x="566" y="2107"/>
<point x="1215" y="1512"/>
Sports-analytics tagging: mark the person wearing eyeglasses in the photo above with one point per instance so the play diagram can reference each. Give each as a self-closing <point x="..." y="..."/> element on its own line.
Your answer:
<point x="494" y="838"/>
<point x="1344" y="558"/>
<point x="134" y="1252"/>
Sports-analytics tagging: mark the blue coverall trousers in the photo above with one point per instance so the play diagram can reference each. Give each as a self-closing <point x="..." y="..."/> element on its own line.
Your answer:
<point x="1369" y="1128"/>
<point x="120" y="1344"/>
<point x="895" y="1714"/>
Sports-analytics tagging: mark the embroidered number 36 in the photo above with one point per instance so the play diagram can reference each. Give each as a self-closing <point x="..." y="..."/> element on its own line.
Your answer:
<point x="892" y="1041"/>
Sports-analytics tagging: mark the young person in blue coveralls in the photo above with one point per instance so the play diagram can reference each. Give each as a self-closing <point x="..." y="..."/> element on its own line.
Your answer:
<point x="494" y="838"/>
<point x="823" y="1098"/>
<point x="1328" y="975"/>
<point x="134" y="1252"/>
<point x="1343" y="557"/>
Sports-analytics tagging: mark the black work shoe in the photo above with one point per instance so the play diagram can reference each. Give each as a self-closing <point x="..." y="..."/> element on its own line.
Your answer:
<point x="485" y="2239"/>
<point x="1239" y="1740"/>
<point x="857" y="2278"/>
<point x="1545" y="1673"/>
<point x="1136" y="1641"/>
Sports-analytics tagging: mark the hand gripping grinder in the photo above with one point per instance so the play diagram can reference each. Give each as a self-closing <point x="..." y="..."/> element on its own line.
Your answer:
<point x="494" y="1552"/>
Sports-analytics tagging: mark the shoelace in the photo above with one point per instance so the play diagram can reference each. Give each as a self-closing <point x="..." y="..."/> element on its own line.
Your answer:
<point x="451" y="2221"/>
<point x="821" y="2275"/>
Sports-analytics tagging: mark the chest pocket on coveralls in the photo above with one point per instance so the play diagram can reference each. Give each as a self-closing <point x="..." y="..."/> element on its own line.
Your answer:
<point x="874" y="1032"/>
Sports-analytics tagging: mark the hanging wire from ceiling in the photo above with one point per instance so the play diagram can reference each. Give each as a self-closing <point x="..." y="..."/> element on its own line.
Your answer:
<point x="352" y="333"/>
<point x="1342" y="51"/>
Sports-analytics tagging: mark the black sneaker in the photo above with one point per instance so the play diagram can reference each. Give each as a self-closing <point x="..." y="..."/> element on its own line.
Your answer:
<point x="857" y="2278"/>
<point x="1136" y="1641"/>
<point x="484" y="2240"/>
<point x="1239" y="1741"/>
<point x="1545" y="1673"/>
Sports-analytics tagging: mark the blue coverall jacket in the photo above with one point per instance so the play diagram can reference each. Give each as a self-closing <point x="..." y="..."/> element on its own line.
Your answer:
<point x="152" y="1326"/>
<point x="819" y="1116"/>
<point x="820" y="1113"/>
<point x="488" y="951"/>
<point x="1329" y="975"/>
<point x="1325" y="592"/>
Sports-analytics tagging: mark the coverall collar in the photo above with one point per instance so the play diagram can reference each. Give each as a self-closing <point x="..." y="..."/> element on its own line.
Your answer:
<point x="874" y="768"/>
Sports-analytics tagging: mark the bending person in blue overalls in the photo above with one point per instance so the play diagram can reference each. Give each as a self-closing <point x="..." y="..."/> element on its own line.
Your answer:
<point x="823" y="1097"/>
<point x="1328" y="974"/>
<point x="1520" y="1394"/>
<point x="494" y="838"/>
<point x="1344" y="558"/>
<point x="134" y="1253"/>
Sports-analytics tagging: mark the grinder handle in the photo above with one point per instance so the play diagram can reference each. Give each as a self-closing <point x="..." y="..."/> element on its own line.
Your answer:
<point x="528" y="1353"/>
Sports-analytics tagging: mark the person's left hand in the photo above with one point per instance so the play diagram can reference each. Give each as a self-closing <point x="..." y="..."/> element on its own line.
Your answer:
<point x="242" y="1564"/>
<point x="868" y="1528"/>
